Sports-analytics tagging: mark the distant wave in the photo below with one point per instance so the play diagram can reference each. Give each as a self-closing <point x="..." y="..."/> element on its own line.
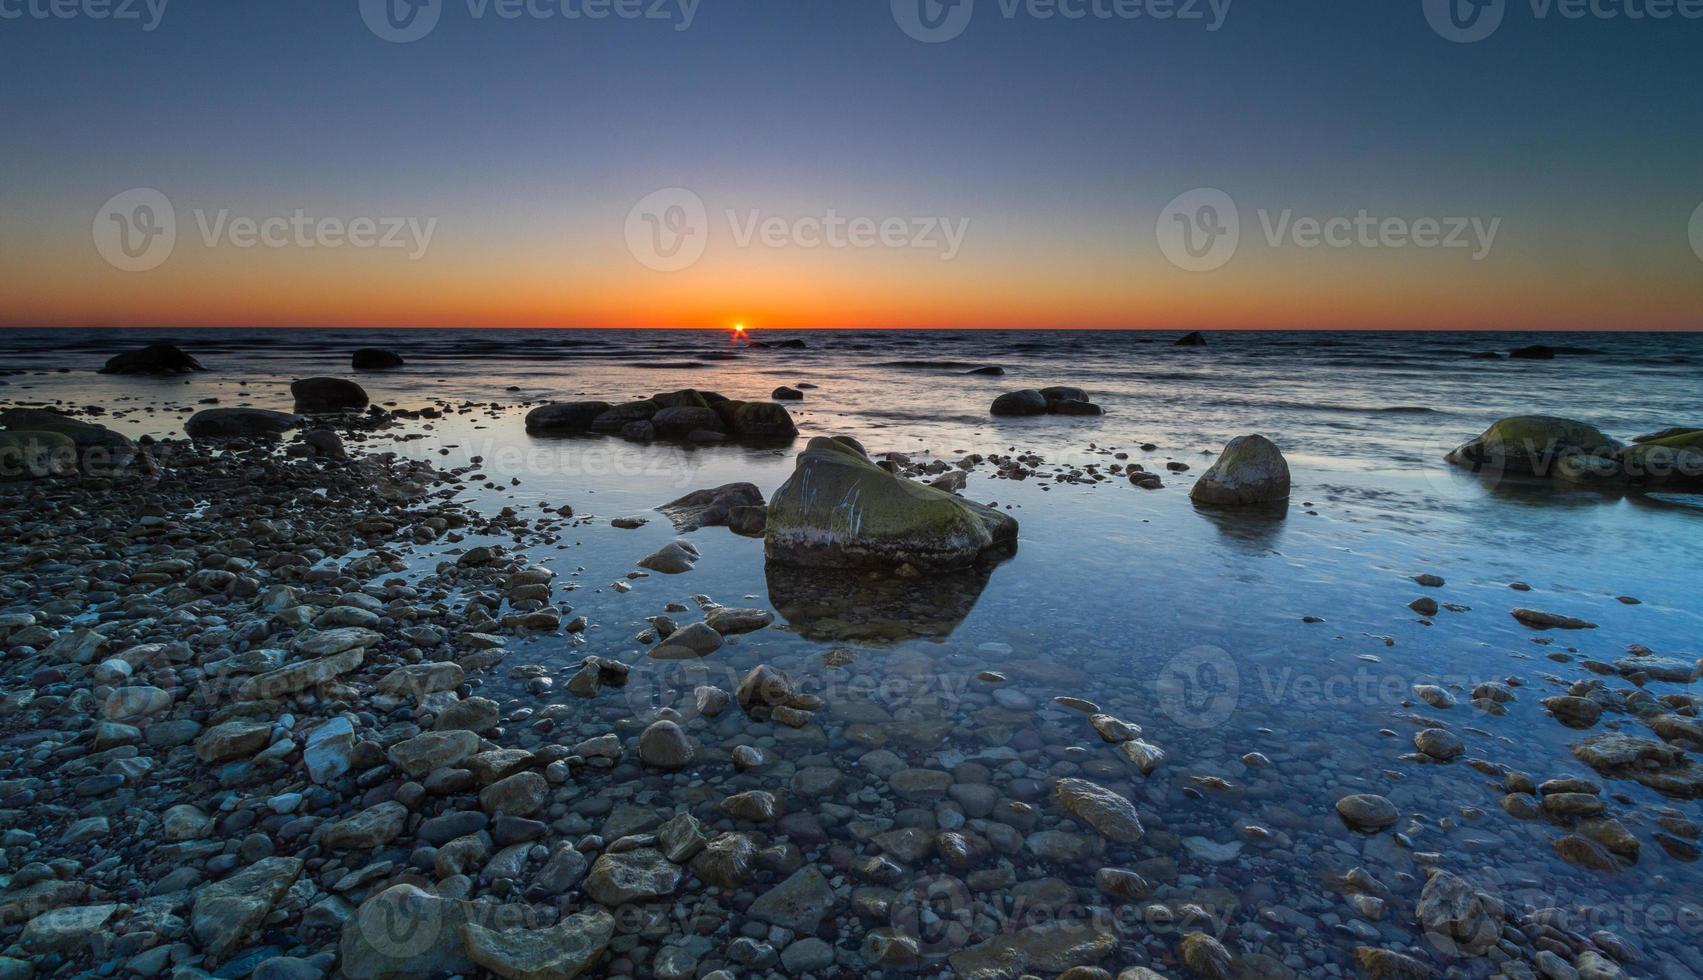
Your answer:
<point x="932" y="365"/>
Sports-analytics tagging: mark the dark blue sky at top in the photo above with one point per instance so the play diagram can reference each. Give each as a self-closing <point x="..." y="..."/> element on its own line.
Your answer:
<point x="1306" y="102"/>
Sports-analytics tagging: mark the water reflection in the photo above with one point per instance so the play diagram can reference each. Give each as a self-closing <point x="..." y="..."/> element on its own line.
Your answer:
<point x="1255" y="530"/>
<point x="838" y="605"/>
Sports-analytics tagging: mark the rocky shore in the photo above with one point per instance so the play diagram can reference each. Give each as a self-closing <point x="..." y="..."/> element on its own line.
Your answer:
<point x="262" y="716"/>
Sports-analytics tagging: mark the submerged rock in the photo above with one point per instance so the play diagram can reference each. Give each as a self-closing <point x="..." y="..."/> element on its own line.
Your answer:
<point x="328" y="395"/>
<point x="1541" y="446"/>
<point x="839" y="509"/>
<point x="159" y="358"/>
<point x="1251" y="470"/>
<point x="1108" y="813"/>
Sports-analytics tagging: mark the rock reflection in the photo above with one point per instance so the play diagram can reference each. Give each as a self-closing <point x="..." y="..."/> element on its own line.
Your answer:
<point x="839" y="605"/>
<point x="1251" y="529"/>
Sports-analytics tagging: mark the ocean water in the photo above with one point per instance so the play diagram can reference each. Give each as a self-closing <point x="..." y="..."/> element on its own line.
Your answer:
<point x="1189" y="623"/>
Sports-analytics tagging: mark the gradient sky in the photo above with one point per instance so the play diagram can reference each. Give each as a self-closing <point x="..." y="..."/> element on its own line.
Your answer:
<point x="529" y="141"/>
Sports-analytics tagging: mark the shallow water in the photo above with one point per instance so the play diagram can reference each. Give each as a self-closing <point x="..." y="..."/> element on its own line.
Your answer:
<point x="1186" y="622"/>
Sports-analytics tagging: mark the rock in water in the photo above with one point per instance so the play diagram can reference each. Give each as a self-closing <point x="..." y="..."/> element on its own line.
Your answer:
<point x="1454" y="915"/>
<point x="762" y="420"/>
<point x="560" y="952"/>
<point x="737" y="505"/>
<point x="1196" y="339"/>
<point x="565" y="418"/>
<point x="89" y="438"/>
<point x="841" y="510"/>
<point x="239" y="423"/>
<point x="1025" y="402"/>
<point x="328" y="395"/>
<point x="1251" y="470"/>
<point x="1108" y="813"/>
<point x="152" y="359"/>
<point x="1541" y="446"/>
<point x="1672" y="460"/>
<point x="787" y="394"/>
<point x="375" y="359"/>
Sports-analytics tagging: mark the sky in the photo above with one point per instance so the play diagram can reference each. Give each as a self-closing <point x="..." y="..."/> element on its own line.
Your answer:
<point x="1281" y="164"/>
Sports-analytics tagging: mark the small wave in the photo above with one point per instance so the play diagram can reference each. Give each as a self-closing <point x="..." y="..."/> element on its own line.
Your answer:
<point x="667" y="365"/>
<point x="930" y="365"/>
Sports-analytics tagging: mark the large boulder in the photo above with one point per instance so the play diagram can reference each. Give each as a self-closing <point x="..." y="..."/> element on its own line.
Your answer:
<point x="375" y="359"/>
<point x="565" y="418"/>
<point x="1541" y="446"/>
<point x="239" y="423"/>
<point x="1251" y="470"/>
<point x="27" y="455"/>
<point x="328" y="395"/>
<point x="153" y="359"/>
<point x="1195" y="339"/>
<point x="1670" y="460"/>
<point x="1057" y="400"/>
<point x="841" y="510"/>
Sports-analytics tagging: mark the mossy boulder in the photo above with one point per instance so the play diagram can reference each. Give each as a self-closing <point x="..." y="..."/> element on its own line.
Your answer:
<point x="840" y="510"/>
<point x="26" y="455"/>
<point x="1542" y="446"/>
<point x="763" y="420"/>
<point x="1672" y="460"/>
<point x="1251" y="470"/>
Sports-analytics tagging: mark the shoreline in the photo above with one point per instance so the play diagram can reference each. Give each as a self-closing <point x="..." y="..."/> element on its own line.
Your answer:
<point x="673" y="809"/>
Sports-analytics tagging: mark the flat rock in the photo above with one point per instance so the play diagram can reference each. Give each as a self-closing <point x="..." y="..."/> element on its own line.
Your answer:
<point x="561" y="952"/>
<point x="1112" y="816"/>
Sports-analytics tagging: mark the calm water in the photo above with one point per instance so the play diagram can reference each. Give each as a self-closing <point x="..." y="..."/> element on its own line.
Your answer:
<point x="1114" y="587"/>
